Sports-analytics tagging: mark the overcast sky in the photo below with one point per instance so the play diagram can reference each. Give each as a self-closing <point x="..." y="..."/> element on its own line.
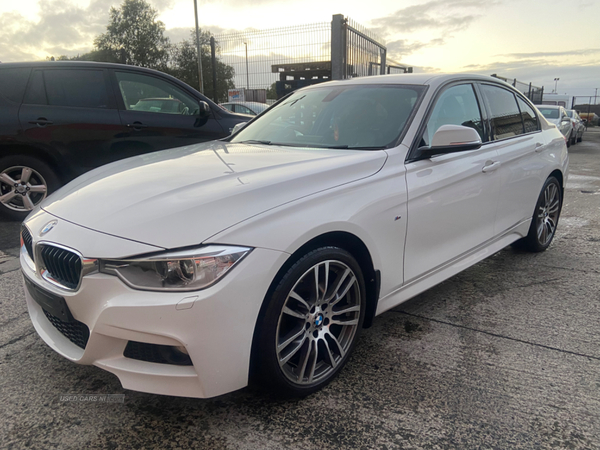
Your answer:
<point x="532" y="40"/>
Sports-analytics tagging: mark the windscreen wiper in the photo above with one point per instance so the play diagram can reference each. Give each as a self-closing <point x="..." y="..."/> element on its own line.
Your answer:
<point x="351" y="147"/>
<point x="253" y="141"/>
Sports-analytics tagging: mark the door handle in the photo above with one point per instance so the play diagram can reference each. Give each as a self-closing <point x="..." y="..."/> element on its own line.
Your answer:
<point x="490" y="166"/>
<point x="41" y="122"/>
<point x="137" y="125"/>
<point x="539" y="147"/>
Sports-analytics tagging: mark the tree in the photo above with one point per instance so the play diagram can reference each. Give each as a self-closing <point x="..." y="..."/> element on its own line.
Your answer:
<point x="184" y="65"/>
<point x="272" y="92"/>
<point x="134" y="36"/>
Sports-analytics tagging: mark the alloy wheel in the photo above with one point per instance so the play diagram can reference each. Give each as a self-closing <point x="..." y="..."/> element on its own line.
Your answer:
<point x="22" y="188"/>
<point x="318" y="322"/>
<point x="547" y="214"/>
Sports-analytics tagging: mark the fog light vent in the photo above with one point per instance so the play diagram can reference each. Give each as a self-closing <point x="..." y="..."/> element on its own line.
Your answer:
<point x="160" y="354"/>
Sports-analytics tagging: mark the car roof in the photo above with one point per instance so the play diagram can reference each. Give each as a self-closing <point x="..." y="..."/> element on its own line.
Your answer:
<point x="426" y="79"/>
<point x="550" y="106"/>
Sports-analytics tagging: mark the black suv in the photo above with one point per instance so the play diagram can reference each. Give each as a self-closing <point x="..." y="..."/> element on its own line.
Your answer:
<point x="61" y="119"/>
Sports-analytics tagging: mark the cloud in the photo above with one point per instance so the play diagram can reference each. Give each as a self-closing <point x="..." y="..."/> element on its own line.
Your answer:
<point x="438" y="15"/>
<point x="575" y="79"/>
<point x="403" y="47"/>
<point x="581" y="52"/>
<point x="61" y="27"/>
<point x="439" y="18"/>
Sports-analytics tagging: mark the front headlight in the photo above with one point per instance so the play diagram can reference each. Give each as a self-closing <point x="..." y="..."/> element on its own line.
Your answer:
<point x="186" y="270"/>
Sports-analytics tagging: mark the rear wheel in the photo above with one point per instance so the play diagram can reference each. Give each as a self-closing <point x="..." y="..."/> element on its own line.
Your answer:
<point x="545" y="218"/>
<point x="24" y="182"/>
<point x="310" y="324"/>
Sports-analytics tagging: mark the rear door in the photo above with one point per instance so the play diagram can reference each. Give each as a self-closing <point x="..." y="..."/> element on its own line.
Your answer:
<point x="73" y="112"/>
<point x="517" y="138"/>
<point x="157" y="114"/>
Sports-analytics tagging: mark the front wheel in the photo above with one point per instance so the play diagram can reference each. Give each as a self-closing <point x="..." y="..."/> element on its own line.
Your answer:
<point x="545" y="218"/>
<point x="311" y="323"/>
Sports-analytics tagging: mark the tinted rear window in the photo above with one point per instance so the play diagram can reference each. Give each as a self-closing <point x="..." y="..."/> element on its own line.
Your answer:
<point x="79" y="88"/>
<point x="506" y="117"/>
<point x="13" y="82"/>
<point x="549" y="113"/>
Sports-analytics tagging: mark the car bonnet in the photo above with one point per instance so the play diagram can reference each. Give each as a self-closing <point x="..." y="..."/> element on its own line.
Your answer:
<point x="183" y="196"/>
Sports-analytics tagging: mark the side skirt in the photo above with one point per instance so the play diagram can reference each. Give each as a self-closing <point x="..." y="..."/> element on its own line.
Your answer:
<point x="452" y="267"/>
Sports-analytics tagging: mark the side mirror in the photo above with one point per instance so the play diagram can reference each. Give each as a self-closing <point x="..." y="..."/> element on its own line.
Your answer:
<point x="204" y="110"/>
<point x="238" y="127"/>
<point x="565" y="119"/>
<point x="451" y="139"/>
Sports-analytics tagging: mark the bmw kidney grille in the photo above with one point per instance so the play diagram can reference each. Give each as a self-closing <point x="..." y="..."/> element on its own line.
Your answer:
<point x="62" y="266"/>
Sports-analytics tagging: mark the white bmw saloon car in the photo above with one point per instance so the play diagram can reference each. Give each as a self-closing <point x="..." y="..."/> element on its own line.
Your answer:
<point x="259" y="258"/>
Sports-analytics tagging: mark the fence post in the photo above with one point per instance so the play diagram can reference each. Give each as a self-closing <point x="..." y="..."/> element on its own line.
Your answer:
<point x="338" y="47"/>
<point x="383" y="60"/>
<point x="213" y="65"/>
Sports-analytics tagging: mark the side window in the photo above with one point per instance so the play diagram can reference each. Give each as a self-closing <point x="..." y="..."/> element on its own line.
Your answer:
<point x="456" y="106"/>
<point x="80" y="88"/>
<point x="506" y="117"/>
<point x="151" y="94"/>
<point x="530" y="121"/>
<point x="36" y="92"/>
<point x="242" y="110"/>
<point x="13" y="83"/>
<point x="228" y="107"/>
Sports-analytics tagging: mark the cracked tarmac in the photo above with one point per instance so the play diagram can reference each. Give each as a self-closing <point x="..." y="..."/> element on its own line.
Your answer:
<point x="504" y="355"/>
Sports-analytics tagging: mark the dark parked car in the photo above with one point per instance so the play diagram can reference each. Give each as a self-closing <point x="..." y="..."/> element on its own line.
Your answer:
<point x="61" y="119"/>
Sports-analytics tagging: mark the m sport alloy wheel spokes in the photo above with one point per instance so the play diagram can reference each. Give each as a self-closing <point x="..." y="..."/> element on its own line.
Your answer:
<point x="318" y="322"/>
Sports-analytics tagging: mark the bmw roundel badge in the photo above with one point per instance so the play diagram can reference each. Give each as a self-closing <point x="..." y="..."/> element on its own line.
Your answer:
<point x="48" y="227"/>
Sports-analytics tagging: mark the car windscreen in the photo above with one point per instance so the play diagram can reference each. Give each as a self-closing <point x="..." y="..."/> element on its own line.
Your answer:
<point x="353" y="117"/>
<point x="549" y="113"/>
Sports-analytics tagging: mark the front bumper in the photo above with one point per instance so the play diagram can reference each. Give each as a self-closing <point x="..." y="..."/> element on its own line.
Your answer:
<point x="215" y="325"/>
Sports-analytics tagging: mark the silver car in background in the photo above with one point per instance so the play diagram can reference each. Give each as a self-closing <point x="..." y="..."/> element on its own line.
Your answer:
<point x="578" y="125"/>
<point x="559" y="117"/>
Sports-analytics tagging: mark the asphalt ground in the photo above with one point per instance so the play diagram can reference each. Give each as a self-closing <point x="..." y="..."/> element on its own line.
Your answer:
<point x="505" y="355"/>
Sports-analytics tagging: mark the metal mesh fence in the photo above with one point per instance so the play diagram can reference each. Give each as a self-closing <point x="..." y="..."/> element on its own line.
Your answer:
<point x="365" y="51"/>
<point x="254" y="55"/>
<point x="533" y="93"/>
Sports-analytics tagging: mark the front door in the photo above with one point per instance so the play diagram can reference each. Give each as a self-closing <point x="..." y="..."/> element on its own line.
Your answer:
<point x="157" y="114"/>
<point x="452" y="198"/>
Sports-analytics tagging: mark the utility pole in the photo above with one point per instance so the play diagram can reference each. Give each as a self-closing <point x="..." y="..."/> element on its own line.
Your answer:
<point x="200" y="81"/>
<point x="247" y="73"/>
<point x="595" y="95"/>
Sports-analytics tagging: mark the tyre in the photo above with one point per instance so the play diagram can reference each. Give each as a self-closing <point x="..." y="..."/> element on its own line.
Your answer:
<point x="574" y="138"/>
<point x="310" y="323"/>
<point x="24" y="182"/>
<point x="545" y="218"/>
<point x="579" y="139"/>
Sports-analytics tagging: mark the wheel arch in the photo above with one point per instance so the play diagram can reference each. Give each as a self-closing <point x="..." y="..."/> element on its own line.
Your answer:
<point x="341" y="239"/>
<point x="353" y="245"/>
<point x="559" y="176"/>
<point x="43" y="155"/>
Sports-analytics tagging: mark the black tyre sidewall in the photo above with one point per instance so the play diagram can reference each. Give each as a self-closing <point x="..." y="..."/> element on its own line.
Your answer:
<point x="530" y="242"/>
<point x="266" y="370"/>
<point x="52" y="180"/>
